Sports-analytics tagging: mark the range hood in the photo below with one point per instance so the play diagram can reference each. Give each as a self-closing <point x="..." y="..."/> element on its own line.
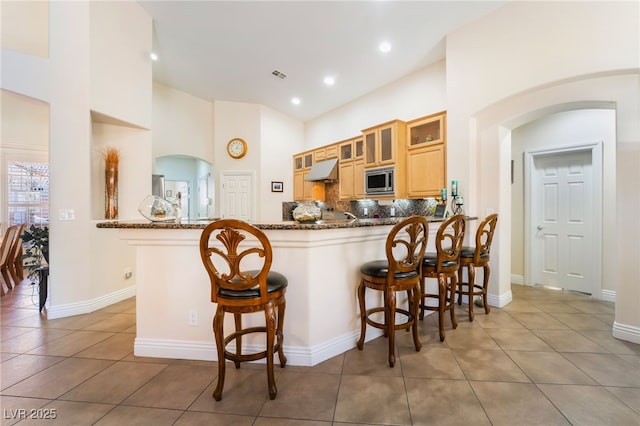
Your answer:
<point x="323" y="170"/>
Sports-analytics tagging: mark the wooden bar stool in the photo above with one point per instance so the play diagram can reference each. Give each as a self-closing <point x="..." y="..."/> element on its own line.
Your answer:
<point x="240" y="290"/>
<point x="477" y="257"/>
<point x="400" y="271"/>
<point x="443" y="266"/>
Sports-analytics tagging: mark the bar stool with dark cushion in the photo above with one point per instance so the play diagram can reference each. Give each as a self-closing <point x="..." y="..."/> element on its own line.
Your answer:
<point x="399" y="272"/>
<point x="443" y="266"/>
<point x="477" y="257"/>
<point x="239" y="264"/>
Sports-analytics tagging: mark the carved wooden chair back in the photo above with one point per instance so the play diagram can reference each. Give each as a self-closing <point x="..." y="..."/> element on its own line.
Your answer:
<point x="484" y="237"/>
<point x="236" y="263"/>
<point x="449" y="240"/>
<point x="405" y="247"/>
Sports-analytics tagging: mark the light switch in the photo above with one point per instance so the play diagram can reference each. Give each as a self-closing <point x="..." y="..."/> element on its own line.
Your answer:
<point x="67" y="214"/>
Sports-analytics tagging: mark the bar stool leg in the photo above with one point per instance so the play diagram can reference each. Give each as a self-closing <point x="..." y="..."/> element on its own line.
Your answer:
<point x="363" y="314"/>
<point x="270" y="319"/>
<point x="218" y="331"/>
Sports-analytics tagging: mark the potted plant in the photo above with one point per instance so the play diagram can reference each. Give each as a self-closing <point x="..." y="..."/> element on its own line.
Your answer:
<point x="36" y="254"/>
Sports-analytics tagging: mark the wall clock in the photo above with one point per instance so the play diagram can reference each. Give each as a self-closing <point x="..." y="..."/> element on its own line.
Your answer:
<point x="237" y="148"/>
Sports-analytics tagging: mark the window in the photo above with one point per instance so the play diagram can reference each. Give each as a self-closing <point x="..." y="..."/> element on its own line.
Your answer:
<point x="28" y="193"/>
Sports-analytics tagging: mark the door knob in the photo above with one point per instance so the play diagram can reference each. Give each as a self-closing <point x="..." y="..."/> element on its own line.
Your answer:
<point x="539" y="227"/>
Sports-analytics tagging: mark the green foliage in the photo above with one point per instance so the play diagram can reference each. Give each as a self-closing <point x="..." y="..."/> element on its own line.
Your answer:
<point x="36" y="253"/>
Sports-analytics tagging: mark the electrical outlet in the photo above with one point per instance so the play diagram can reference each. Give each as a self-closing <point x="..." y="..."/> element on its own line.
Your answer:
<point x="365" y="211"/>
<point x="392" y="211"/>
<point x="193" y="317"/>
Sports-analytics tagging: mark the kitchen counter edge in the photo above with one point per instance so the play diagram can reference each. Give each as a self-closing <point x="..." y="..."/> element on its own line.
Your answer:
<point x="285" y="225"/>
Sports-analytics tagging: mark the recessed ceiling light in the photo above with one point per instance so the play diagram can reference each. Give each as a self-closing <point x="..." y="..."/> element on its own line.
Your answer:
<point x="153" y="56"/>
<point x="329" y="81"/>
<point x="385" y="47"/>
<point x="295" y="101"/>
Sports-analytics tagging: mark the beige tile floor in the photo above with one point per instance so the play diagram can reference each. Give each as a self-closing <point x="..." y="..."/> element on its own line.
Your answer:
<point x="547" y="358"/>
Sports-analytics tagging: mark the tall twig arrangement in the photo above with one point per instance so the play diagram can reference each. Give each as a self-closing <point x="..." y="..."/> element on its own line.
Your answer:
<point x="111" y="160"/>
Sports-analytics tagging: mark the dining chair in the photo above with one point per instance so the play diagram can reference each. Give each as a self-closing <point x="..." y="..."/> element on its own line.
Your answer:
<point x="401" y="271"/>
<point x="237" y="257"/>
<point x="443" y="265"/>
<point x="477" y="257"/>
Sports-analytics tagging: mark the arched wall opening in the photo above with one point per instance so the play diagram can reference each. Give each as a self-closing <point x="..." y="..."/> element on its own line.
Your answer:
<point x="491" y="133"/>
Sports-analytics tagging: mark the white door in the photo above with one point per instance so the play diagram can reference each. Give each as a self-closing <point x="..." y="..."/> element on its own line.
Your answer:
<point x="237" y="195"/>
<point x="562" y="219"/>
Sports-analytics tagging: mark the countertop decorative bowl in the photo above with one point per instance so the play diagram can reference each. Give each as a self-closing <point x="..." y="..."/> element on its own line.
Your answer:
<point x="157" y="209"/>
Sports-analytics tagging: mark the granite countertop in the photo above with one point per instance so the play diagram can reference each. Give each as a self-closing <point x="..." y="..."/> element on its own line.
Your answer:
<point x="284" y="225"/>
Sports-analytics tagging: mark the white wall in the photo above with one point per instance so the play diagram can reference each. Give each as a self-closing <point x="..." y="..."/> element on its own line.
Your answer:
<point x="182" y="124"/>
<point x="281" y="137"/>
<point x="419" y="94"/>
<point x="190" y="126"/>
<point x="18" y="15"/>
<point x="628" y="245"/>
<point x="78" y="32"/>
<point x="502" y="72"/>
<point x="120" y="63"/>
<point x="272" y="139"/>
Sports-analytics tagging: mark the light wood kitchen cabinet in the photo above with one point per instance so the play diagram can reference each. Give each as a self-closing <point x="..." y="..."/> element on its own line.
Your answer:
<point x="307" y="191"/>
<point x="307" y="158"/>
<point x="351" y="168"/>
<point x="303" y="190"/>
<point x="352" y="149"/>
<point x="319" y="154"/>
<point x="426" y="156"/>
<point x="298" y="185"/>
<point x="352" y="180"/>
<point x="331" y="151"/>
<point x="383" y="144"/>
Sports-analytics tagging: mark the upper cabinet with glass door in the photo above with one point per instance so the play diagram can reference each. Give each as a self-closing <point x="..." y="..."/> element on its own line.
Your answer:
<point x="426" y="156"/>
<point x="426" y="130"/>
<point x="384" y="143"/>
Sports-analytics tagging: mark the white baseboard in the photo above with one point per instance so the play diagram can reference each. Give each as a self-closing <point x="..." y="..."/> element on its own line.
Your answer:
<point x="206" y="351"/>
<point x="608" y="295"/>
<point x="87" y="306"/>
<point x="517" y="279"/>
<point x="500" y="301"/>
<point x="626" y="332"/>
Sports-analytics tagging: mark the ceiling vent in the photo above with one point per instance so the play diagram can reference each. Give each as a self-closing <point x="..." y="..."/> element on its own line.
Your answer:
<point x="279" y="74"/>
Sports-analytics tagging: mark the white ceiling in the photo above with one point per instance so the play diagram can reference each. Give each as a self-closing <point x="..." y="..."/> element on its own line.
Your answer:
<point x="227" y="50"/>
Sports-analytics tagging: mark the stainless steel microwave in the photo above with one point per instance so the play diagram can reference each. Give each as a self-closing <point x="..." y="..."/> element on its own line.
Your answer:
<point x="379" y="181"/>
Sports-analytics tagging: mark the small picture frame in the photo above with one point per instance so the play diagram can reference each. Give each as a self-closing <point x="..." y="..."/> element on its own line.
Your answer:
<point x="168" y="193"/>
<point x="441" y="210"/>
<point x="276" y="187"/>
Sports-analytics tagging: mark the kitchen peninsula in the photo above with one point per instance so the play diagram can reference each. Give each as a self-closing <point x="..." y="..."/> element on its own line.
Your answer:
<point x="321" y="261"/>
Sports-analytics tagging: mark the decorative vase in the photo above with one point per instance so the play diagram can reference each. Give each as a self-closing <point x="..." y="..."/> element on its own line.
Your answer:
<point x="307" y="212"/>
<point x="111" y="192"/>
<point x="111" y="161"/>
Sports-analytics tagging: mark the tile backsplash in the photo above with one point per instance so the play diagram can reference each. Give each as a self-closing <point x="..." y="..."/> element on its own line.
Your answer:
<point x="363" y="208"/>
